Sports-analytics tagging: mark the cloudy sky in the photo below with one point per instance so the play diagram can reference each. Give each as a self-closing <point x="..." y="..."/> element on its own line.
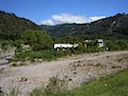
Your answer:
<point x="52" y="12"/>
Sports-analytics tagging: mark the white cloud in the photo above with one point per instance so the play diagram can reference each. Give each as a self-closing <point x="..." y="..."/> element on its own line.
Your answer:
<point x="68" y="18"/>
<point x="95" y="18"/>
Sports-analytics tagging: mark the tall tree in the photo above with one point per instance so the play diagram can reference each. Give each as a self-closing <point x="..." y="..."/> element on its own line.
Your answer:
<point x="37" y="39"/>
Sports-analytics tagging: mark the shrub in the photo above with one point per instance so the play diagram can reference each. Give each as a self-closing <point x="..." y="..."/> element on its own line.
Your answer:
<point x="54" y="88"/>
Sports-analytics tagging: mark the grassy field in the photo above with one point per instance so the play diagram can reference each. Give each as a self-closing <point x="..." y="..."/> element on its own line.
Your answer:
<point x="114" y="85"/>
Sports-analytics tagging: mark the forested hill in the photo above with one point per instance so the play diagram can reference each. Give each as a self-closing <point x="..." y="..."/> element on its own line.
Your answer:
<point x="12" y="26"/>
<point x="114" y="27"/>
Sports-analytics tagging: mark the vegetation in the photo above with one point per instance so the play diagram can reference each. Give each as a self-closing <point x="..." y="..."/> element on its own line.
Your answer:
<point x="16" y="31"/>
<point x="37" y="39"/>
<point x="12" y="27"/>
<point x="45" y="55"/>
<point x="37" y="53"/>
<point x="52" y="89"/>
<point x="116" y="44"/>
<point x="5" y="45"/>
<point x="13" y="92"/>
<point x="114" y="85"/>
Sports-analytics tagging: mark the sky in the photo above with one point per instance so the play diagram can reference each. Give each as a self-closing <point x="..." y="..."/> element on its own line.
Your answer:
<point x="52" y="12"/>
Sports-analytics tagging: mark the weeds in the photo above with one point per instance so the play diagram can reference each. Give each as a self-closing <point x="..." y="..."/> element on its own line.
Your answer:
<point x="114" y="85"/>
<point x="45" y="55"/>
<point x="14" y="92"/>
<point x="17" y="65"/>
<point x="116" y="66"/>
<point x="54" y="88"/>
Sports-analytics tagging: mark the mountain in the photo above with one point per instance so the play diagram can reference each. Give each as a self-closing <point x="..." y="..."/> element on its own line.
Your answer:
<point x="11" y="26"/>
<point x="114" y="27"/>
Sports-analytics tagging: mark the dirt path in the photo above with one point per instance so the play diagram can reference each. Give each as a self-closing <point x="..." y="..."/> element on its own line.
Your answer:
<point x="74" y="69"/>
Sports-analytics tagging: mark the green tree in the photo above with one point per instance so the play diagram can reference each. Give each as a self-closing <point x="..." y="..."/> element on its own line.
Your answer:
<point x="17" y="43"/>
<point x="37" y="39"/>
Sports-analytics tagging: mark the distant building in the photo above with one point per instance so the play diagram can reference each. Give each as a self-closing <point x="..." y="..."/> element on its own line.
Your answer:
<point x="87" y="41"/>
<point x="100" y="43"/>
<point x="64" y="46"/>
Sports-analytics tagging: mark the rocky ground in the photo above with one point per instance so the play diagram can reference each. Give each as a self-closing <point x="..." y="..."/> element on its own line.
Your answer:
<point x="75" y="70"/>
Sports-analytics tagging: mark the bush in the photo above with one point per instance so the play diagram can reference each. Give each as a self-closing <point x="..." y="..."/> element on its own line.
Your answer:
<point x="54" y="88"/>
<point x="45" y="55"/>
<point x="116" y="45"/>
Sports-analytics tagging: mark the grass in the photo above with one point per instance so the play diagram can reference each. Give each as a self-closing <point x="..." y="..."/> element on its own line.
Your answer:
<point x="114" y="85"/>
<point x="52" y="89"/>
<point x="13" y="92"/>
<point x="45" y="55"/>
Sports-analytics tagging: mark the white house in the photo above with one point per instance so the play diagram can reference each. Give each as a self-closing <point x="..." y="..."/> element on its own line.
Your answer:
<point x="57" y="46"/>
<point x="62" y="46"/>
<point x="87" y="41"/>
<point x="100" y="43"/>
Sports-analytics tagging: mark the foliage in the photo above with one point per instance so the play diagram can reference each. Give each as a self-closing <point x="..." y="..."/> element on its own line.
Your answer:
<point x="17" y="43"/>
<point x="69" y="39"/>
<point x="45" y="55"/>
<point x="54" y="88"/>
<point x="37" y="39"/>
<point x="80" y="46"/>
<point x="13" y="92"/>
<point x="5" y="45"/>
<point x="18" y="65"/>
<point x="116" y="44"/>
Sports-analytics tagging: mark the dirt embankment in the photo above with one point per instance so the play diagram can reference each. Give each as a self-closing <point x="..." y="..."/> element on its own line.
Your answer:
<point x="75" y="70"/>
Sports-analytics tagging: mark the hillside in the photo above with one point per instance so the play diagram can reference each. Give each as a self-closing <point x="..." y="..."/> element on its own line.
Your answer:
<point x="114" y="27"/>
<point x="12" y="26"/>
